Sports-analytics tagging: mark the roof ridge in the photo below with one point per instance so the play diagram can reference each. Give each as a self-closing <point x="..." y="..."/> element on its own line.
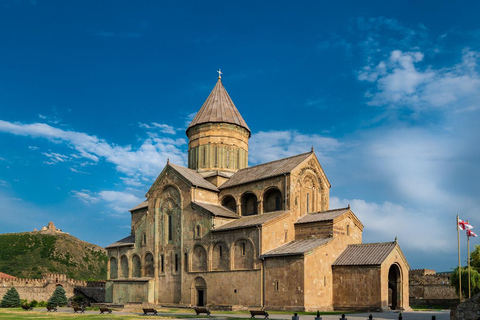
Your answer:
<point x="373" y="243"/>
<point x="325" y="211"/>
<point x="263" y="164"/>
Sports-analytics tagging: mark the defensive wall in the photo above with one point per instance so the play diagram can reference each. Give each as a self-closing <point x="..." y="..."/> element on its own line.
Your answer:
<point x="429" y="288"/>
<point x="42" y="289"/>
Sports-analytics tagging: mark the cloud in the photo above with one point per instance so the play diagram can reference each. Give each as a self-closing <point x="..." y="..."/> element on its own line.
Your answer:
<point x="118" y="201"/>
<point x="145" y="160"/>
<point x="273" y="145"/>
<point x="163" y="128"/>
<point x="400" y="82"/>
<point x="55" y="158"/>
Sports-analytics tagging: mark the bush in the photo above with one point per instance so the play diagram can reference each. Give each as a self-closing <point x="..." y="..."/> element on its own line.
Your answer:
<point x="33" y="303"/>
<point x="11" y="299"/>
<point x="42" y="304"/>
<point x="58" y="298"/>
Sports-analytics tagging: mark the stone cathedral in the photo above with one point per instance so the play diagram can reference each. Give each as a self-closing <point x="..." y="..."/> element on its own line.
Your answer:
<point x="225" y="235"/>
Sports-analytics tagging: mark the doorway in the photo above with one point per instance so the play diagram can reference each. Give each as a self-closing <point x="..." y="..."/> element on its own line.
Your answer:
<point x="200" y="301"/>
<point x="394" y="287"/>
<point x="199" y="292"/>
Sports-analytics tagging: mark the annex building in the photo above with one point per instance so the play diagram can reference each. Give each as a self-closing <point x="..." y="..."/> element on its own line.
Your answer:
<point x="222" y="234"/>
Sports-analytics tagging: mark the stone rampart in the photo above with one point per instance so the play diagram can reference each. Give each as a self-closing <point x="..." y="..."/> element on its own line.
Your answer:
<point x="428" y="288"/>
<point x="40" y="289"/>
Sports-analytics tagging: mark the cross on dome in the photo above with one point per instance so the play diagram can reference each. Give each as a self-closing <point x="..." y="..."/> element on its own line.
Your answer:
<point x="220" y="73"/>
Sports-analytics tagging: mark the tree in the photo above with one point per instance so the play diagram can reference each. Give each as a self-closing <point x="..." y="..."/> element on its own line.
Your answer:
<point x="11" y="299"/>
<point x="475" y="258"/>
<point x="474" y="281"/>
<point x="58" y="297"/>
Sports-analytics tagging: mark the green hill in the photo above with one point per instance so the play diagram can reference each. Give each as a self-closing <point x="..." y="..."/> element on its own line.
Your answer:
<point x="29" y="254"/>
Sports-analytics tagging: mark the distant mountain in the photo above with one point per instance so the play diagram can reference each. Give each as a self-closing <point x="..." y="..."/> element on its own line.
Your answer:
<point x="29" y="254"/>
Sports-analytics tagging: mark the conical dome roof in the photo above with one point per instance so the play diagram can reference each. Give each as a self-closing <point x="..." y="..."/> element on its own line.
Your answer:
<point x="219" y="107"/>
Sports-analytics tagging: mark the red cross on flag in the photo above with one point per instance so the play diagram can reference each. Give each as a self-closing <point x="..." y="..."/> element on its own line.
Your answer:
<point x="470" y="233"/>
<point x="464" y="225"/>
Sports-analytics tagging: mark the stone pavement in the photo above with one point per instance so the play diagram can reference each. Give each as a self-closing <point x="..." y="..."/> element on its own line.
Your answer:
<point x="218" y="315"/>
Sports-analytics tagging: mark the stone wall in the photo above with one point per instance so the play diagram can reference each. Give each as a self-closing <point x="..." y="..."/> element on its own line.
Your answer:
<point x="40" y="289"/>
<point x="428" y="288"/>
<point x="467" y="310"/>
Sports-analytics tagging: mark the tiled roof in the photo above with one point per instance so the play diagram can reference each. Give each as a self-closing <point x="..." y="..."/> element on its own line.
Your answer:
<point x="297" y="247"/>
<point x="322" y="215"/>
<point x="215" y="210"/>
<point x="125" y="242"/>
<point x="6" y="276"/>
<point x="219" y="107"/>
<point x="367" y="254"/>
<point x="142" y="205"/>
<point x="251" y="221"/>
<point x="194" y="177"/>
<point x="266" y="170"/>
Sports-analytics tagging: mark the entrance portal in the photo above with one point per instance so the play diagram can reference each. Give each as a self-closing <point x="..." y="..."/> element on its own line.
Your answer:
<point x="394" y="287"/>
<point x="200" y="302"/>
<point x="199" y="292"/>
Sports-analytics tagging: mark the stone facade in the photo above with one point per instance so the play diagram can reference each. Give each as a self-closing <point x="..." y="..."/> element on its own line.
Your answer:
<point x="226" y="235"/>
<point x="467" y="310"/>
<point x="428" y="288"/>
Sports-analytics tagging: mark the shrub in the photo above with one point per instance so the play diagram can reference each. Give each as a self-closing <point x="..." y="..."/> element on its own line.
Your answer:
<point x="33" y="303"/>
<point x="58" y="298"/>
<point x="42" y="304"/>
<point x="11" y="299"/>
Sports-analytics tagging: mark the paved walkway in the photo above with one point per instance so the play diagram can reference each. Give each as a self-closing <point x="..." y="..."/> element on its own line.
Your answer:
<point x="412" y="315"/>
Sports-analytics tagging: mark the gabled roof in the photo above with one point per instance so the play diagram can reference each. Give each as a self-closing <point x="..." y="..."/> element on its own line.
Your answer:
<point x="219" y="107"/>
<point x="125" y="242"/>
<point x="297" y="247"/>
<point x="322" y="215"/>
<point x="251" y="221"/>
<point x="368" y="254"/>
<point x="6" y="276"/>
<point x="142" y="205"/>
<point x="214" y="210"/>
<point x="266" y="170"/>
<point x="193" y="177"/>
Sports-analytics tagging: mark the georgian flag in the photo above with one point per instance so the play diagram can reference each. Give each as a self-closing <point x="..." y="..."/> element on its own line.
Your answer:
<point x="464" y="225"/>
<point x="470" y="233"/>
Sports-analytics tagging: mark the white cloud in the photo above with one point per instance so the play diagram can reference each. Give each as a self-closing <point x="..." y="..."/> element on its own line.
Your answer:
<point x="163" y="128"/>
<point x="118" y="201"/>
<point x="145" y="160"/>
<point x="55" y="158"/>
<point x="385" y="221"/>
<point x="273" y="145"/>
<point x="401" y="82"/>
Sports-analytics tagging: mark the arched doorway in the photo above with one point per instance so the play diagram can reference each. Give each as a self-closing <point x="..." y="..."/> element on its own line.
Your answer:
<point x="230" y="203"/>
<point x="394" y="287"/>
<point x="272" y="200"/>
<point x="249" y="204"/>
<point x="199" y="292"/>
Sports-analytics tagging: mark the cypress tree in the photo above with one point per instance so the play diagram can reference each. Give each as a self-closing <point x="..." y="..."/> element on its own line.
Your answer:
<point x="58" y="298"/>
<point x="11" y="299"/>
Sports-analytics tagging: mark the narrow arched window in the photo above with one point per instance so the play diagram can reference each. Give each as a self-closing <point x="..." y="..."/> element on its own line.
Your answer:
<point x="220" y="251"/>
<point x="243" y="248"/>
<point x="197" y="231"/>
<point x="308" y="202"/>
<point x="176" y="262"/>
<point x="162" y="264"/>
<point x="170" y="228"/>
<point x="348" y="229"/>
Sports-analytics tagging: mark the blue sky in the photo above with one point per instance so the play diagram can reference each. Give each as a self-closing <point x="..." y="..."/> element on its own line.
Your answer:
<point x="96" y="95"/>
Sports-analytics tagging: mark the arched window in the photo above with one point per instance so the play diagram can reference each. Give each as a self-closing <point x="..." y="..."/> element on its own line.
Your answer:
<point x="149" y="269"/>
<point x="162" y="263"/>
<point x="348" y="229"/>
<point x="243" y="255"/>
<point x="249" y="204"/>
<point x="198" y="232"/>
<point x="176" y="262"/>
<point x="220" y="259"/>
<point x="144" y="240"/>
<point x="199" y="259"/>
<point x="124" y="267"/>
<point x="113" y="268"/>
<point x="136" y="267"/>
<point x="272" y="200"/>
<point x="230" y="203"/>
<point x="185" y="262"/>
<point x="170" y="227"/>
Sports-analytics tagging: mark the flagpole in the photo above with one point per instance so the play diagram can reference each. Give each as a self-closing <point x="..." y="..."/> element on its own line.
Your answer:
<point x="468" y="258"/>
<point x="459" y="261"/>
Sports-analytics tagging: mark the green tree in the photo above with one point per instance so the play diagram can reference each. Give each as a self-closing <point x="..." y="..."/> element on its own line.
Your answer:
<point x="58" y="298"/>
<point x="11" y="299"/>
<point x="474" y="281"/>
<point x="475" y="258"/>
